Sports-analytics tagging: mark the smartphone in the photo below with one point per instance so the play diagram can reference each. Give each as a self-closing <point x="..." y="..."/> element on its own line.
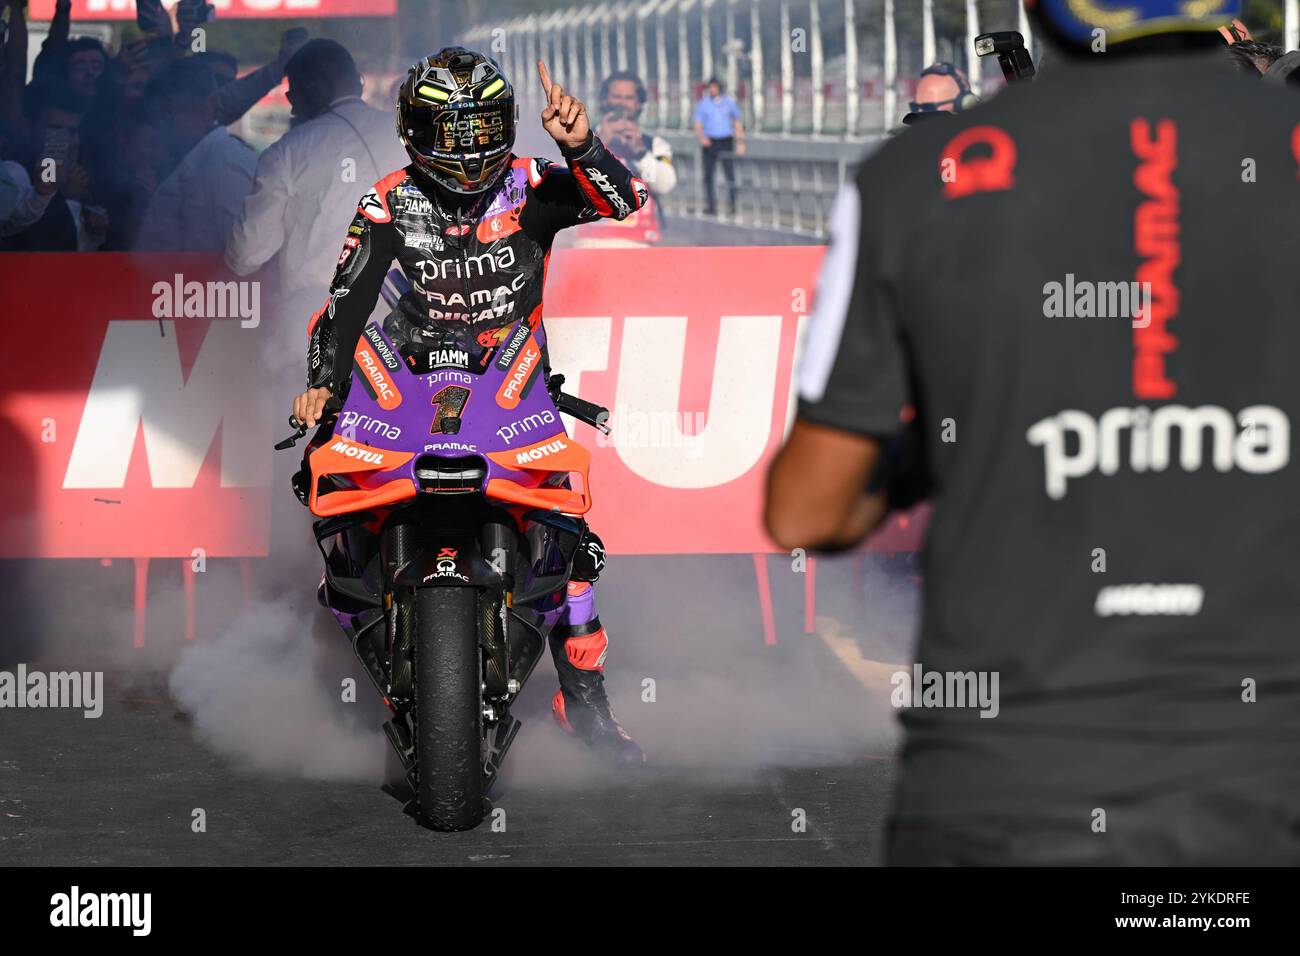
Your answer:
<point x="150" y="15"/>
<point x="57" y="146"/>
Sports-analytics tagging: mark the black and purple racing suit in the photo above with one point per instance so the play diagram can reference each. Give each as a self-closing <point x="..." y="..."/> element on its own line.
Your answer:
<point x="482" y="265"/>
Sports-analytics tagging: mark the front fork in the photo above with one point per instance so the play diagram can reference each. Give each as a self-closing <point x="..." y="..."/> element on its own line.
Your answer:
<point x="509" y="645"/>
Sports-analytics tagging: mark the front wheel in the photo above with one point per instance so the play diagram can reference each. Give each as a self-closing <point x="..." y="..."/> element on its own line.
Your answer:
<point x="448" y="708"/>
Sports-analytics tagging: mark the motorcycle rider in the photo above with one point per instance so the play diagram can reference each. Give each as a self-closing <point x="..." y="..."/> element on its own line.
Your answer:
<point x="471" y="225"/>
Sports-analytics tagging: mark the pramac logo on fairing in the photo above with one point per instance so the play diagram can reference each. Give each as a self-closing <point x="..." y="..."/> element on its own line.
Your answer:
<point x="374" y="376"/>
<point x="517" y="379"/>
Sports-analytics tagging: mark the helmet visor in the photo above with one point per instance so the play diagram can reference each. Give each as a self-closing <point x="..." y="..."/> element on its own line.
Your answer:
<point x="439" y="132"/>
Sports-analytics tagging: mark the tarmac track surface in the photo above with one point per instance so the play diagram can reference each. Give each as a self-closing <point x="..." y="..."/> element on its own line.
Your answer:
<point x="759" y="754"/>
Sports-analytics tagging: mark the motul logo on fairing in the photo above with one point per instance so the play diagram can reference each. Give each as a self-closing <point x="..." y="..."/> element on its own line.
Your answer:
<point x="540" y="451"/>
<point x="361" y="454"/>
<point x="1262" y="446"/>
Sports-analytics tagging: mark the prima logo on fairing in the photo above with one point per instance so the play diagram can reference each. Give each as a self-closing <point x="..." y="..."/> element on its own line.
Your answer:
<point x="539" y="452"/>
<point x="351" y="421"/>
<point x="348" y="450"/>
<point x="437" y="378"/>
<point x="508" y="433"/>
<point x="1262" y="446"/>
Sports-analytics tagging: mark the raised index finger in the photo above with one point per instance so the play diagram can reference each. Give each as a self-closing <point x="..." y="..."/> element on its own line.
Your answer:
<point x="545" y="75"/>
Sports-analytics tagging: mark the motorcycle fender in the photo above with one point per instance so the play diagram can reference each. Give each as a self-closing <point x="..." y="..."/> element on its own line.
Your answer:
<point x="452" y="561"/>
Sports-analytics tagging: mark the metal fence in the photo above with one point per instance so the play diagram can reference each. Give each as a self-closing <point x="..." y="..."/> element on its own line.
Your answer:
<point x="806" y="68"/>
<point x="830" y="75"/>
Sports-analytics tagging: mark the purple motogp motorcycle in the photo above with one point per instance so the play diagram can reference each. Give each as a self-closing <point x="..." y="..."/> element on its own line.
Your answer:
<point x="449" y="499"/>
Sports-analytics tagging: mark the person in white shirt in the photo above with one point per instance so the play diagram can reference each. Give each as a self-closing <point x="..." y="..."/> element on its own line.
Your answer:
<point x="305" y="192"/>
<point x="196" y="206"/>
<point x="21" y="203"/>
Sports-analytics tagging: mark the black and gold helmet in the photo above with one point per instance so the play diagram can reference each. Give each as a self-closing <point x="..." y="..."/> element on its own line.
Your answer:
<point x="456" y="117"/>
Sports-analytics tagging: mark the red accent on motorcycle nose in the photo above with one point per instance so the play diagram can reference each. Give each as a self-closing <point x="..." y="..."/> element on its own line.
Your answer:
<point x="587" y="653"/>
<point x="557" y="711"/>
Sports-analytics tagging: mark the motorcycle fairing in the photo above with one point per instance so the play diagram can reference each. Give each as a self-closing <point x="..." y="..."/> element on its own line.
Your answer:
<point x="393" y="414"/>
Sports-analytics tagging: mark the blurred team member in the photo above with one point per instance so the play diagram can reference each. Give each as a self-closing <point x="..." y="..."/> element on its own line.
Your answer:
<point x="1114" y="538"/>
<point x="196" y="206"/>
<point x="721" y="133"/>
<point x="621" y="99"/>
<point x="305" y="188"/>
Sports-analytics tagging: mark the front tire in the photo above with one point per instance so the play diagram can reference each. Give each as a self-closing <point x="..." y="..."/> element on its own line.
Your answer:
<point x="448" y="708"/>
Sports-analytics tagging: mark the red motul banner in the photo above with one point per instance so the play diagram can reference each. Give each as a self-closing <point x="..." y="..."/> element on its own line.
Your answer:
<point x="137" y="416"/>
<point x="226" y="9"/>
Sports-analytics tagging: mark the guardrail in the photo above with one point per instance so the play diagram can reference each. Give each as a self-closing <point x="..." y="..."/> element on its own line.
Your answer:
<point x="808" y="68"/>
<point x="817" y="81"/>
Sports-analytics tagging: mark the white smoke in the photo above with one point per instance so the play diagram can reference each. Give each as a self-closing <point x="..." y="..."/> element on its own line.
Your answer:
<point x="255" y="695"/>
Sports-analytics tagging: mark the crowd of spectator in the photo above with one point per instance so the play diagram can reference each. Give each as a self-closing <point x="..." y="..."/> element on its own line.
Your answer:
<point x="125" y="150"/>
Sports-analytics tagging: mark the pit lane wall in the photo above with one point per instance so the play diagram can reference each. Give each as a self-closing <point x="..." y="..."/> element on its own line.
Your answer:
<point x="142" y="399"/>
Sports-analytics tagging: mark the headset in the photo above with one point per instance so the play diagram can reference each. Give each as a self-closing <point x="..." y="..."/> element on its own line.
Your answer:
<point x="964" y="99"/>
<point x="1285" y="70"/>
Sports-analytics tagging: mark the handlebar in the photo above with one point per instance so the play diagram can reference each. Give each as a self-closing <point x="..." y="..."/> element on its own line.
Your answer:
<point x="589" y="412"/>
<point x="333" y="405"/>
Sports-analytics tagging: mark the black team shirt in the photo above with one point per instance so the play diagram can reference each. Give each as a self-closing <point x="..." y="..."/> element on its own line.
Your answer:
<point x="971" y="264"/>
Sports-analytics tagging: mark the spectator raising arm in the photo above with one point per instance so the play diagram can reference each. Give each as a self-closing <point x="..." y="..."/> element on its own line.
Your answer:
<point x="236" y="98"/>
<point x="13" y="74"/>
